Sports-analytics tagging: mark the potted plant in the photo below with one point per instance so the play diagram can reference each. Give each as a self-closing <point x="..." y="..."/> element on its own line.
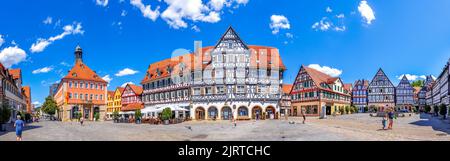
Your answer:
<point x="138" y="116"/>
<point x="115" y="116"/>
<point x="5" y="114"/>
<point x="166" y="114"/>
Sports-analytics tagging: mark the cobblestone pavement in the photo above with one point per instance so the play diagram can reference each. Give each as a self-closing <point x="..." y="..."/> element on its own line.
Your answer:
<point x="347" y="127"/>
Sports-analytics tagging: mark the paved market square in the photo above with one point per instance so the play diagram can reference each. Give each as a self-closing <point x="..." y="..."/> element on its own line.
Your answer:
<point x="358" y="127"/>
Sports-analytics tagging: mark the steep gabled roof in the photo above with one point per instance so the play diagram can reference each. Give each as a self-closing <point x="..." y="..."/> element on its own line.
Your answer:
<point x="380" y="73"/>
<point x="16" y="73"/>
<point x="287" y="88"/>
<point x="136" y="89"/>
<point x="80" y="71"/>
<point x="121" y="89"/>
<point x="230" y="36"/>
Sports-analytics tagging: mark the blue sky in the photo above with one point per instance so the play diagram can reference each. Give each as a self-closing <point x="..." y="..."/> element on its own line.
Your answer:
<point x="350" y="38"/>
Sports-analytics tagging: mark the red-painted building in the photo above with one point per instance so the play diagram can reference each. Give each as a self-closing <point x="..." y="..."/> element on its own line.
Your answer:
<point x="132" y="98"/>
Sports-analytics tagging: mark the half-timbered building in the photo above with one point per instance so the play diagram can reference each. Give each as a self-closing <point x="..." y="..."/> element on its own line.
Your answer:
<point x="359" y="94"/>
<point x="381" y="92"/>
<point x="404" y="95"/>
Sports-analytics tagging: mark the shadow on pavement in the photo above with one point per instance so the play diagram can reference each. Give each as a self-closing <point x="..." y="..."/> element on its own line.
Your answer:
<point x="435" y="122"/>
<point x="11" y="128"/>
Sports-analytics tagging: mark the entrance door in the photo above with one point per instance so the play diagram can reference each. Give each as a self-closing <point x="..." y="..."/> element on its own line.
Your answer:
<point x="328" y="112"/>
<point x="200" y="113"/>
<point x="87" y="113"/>
<point x="96" y="112"/>
<point x="226" y="113"/>
<point x="256" y="112"/>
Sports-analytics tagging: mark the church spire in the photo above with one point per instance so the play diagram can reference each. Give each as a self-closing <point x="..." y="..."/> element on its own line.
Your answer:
<point x="78" y="54"/>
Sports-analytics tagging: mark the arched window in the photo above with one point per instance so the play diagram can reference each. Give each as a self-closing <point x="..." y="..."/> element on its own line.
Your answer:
<point x="243" y="111"/>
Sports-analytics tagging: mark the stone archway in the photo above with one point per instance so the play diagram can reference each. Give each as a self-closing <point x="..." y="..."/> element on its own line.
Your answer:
<point x="227" y="113"/>
<point x="270" y="111"/>
<point x="213" y="112"/>
<point x="242" y="112"/>
<point x="200" y="113"/>
<point x="257" y="112"/>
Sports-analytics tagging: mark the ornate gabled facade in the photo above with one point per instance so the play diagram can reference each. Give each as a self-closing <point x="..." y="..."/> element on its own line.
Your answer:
<point x="230" y="79"/>
<point x="110" y="104"/>
<point x="285" y="102"/>
<point x="425" y="92"/>
<point x="440" y="92"/>
<point x="381" y="92"/>
<point x="359" y="94"/>
<point x="316" y="93"/>
<point x="132" y="98"/>
<point x="81" y="91"/>
<point x="404" y="95"/>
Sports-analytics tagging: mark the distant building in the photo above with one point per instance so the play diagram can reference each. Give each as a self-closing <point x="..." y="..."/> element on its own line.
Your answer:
<point x="27" y="96"/>
<point x="11" y="90"/>
<point x="110" y="104"/>
<point x="313" y="90"/>
<point x="359" y="95"/>
<point x="425" y="92"/>
<point x="381" y="92"/>
<point x="285" y="102"/>
<point x="404" y="94"/>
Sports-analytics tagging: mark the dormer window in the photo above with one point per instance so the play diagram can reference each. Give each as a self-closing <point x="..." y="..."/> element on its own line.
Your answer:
<point x="74" y="74"/>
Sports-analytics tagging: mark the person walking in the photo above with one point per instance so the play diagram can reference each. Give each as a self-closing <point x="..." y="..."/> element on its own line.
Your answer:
<point x="19" y="124"/>
<point x="81" y="121"/>
<point x="384" y="121"/>
<point x="302" y="112"/>
<point x="391" y="119"/>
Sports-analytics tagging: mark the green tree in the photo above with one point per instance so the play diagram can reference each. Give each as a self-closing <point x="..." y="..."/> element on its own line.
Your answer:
<point x="49" y="106"/>
<point x="166" y="113"/>
<point x="417" y="83"/>
<point x="427" y="108"/>
<point x="443" y="110"/>
<point x="5" y="113"/>
<point x="97" y="116"/>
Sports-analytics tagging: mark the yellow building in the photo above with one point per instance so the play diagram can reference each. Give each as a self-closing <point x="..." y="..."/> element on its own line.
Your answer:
<point x="117" y="100"/>
<point x="109" y="104"/>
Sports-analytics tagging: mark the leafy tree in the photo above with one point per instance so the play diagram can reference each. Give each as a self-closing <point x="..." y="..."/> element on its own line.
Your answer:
<point x="49" y="106"/>
<point x="115" y="115"/>
<point x="443" y="110"/>
<point x="427" y="108"/>
<point x="417" y="83"/>
<point x="138" y="114"/>
<point x="5" y="113"/>
<point x="166" y="113"/>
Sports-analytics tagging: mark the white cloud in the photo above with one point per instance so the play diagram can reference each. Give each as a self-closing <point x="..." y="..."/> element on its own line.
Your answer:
<point x="433" y="77"/>
<point x="340" y="15"/>
<point x="65" y="64"/>
<point x="289" y="35"/>
<point x="103" y="3"/>
<point x="126" y="71"/>
<point x="42" y="70"/>
<point x="41" y="43"/>
<point x="328" y="9"/>
<point x="327" y="70"/>
<point x="195" y="28"/>
<point x="326" y="24"/>
<point x="412" y="77"/>
<point x="278" y="22"/>
<point x="194" y="10"/>
<point x="12" y="55"/>
<point x="146" y="10"/>
<point x="366" y="12"/>
<point x="1" y="40"/>
<point x="124" y="13"/>
<point x="48" y="20"/>
<point x="107" y="78"/>
<point x="36" y="103"/>
<point x="125" y="84"/>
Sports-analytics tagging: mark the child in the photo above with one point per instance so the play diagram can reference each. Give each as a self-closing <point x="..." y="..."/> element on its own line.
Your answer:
<point x="384" y="121"/>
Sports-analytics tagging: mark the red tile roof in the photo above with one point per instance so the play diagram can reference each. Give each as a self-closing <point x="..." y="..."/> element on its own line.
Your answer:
<point x="110" y="93"/>
<point x="319" y="78"/>
<point x="348" y="86"/>
<point x="132" y="107"/>
<point x="16" y="73"/>
<point x="121" y="89"/>
<point x="286" y="88"/>
<point x="80" y="71"/>
<point x="137" y="89"/>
